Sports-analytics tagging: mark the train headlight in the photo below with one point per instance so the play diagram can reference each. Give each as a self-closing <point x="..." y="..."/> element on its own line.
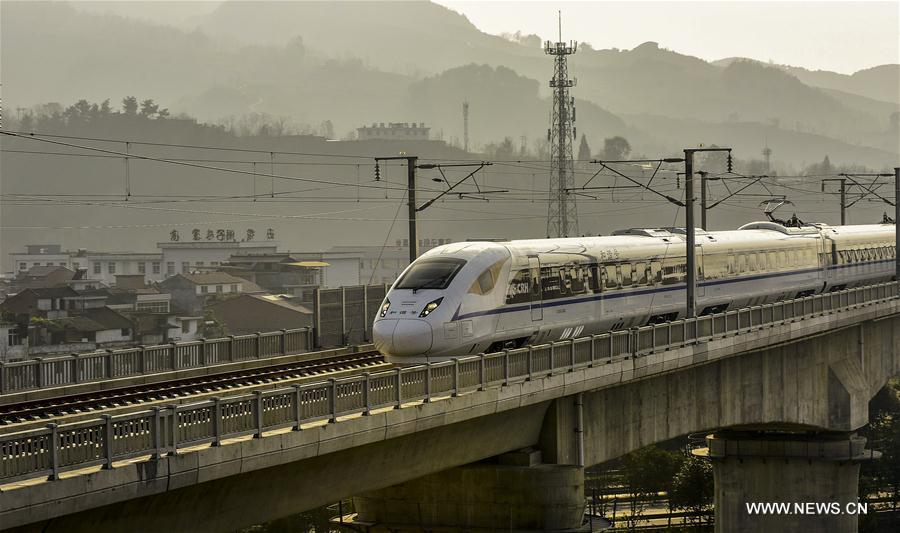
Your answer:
<point x="384" y="307"/>
<point x="431" y="306"/>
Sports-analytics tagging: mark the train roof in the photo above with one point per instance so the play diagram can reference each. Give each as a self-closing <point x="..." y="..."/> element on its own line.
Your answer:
<point x="657" y="240"/>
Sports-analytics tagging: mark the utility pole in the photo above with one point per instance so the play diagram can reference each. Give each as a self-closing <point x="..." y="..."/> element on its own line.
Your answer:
<point x="412" y="210"/>
<point x="411" y="205"/>
<point x="466" y="125"/>
<point x="562" y="212"/>
<point x="843" y="182"/>
<point x="690" y="255"/>
<point x="703" y="190"/>
<point x="689" y="229"/>
<point x="843" y="202"/>
<point x="896" y="223"/>
<point x="410" y="198"/>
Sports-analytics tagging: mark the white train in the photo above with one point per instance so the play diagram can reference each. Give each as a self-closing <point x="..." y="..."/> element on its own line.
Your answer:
<point x="472" y="297"/>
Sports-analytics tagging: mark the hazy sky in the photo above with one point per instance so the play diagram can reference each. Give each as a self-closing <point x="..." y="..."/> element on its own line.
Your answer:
<point x="841" y="36"/>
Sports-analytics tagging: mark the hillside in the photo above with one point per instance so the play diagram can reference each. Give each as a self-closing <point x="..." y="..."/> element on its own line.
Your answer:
<point x="416" y="61"/>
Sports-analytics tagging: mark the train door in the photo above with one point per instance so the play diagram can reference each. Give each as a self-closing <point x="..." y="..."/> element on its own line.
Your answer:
<point x="534" y="277"/>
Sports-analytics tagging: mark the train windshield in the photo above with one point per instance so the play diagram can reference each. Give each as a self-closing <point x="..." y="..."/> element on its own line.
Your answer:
<point x="430" y="274"/>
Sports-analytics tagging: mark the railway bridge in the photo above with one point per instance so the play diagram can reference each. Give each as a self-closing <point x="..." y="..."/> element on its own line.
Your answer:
<point x="494" y="441"/>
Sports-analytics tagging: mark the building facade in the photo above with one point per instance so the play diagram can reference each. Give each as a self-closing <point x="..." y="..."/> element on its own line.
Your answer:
<point x="175" y="257"/>
<point x="394" y="131"/>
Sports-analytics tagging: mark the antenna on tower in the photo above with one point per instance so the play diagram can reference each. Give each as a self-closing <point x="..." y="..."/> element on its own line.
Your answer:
<point x="767" y="153"/>
<point x="559" y="14"/>
<point x="562" y="212"/>
<point x="466" y="125"/>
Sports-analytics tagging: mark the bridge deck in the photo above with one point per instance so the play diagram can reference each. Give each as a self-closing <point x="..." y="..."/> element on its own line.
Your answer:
<point x="214" y="439"/>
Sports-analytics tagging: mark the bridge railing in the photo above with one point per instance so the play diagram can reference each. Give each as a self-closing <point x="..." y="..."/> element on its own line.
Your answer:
<point x="57" y="371"/>
<point x="57" y="448"/>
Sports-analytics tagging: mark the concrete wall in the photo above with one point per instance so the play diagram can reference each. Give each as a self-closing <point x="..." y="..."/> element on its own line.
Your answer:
<point x="823" y="382"/>
<point x="495" y="497"/>
<point x="234" y="490"/>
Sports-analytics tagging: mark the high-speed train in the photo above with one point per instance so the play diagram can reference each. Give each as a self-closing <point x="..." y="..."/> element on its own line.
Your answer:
<point x="473" y="297"/>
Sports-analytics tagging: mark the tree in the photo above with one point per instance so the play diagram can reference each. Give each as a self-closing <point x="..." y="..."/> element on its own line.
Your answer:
<point x="584" y="151"/>
<point x="542" y="148"/>
<point x="894" y="122"/>
<point x="503" y="150"/>
<point x="149" y="108"/>
<point x="692" y="487"/>
<point x="883" y="434"/>
<point x="80" y="110"/>
<point x="27" y="123"/>
<point x="130" y="105"/>
<point x="616" y="148"/>
<point x="327" y="129"/>
<point x="818" y="169"/>
<point x="647" y="472"/>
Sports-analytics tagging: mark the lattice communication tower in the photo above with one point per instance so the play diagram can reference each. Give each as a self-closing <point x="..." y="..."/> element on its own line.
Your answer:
<point x="562" y="212"/>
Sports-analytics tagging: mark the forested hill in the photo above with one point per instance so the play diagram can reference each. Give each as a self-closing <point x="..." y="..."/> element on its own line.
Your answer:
<point x="354" y="63"/>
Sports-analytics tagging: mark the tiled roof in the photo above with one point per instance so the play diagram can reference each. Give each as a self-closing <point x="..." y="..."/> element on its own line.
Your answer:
<point x="107" y="317"/>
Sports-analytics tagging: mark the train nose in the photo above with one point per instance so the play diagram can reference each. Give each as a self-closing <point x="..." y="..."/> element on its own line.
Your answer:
<point x="402" y="337"/>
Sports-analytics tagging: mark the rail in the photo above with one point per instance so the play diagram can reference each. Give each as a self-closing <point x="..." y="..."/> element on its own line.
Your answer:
<point x="57" y="448"/>
<point x="41" y="372"/>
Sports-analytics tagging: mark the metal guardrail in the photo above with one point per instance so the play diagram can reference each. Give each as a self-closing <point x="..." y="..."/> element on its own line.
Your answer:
<point x="159" y="431"/>
<point x="42" y="372"/>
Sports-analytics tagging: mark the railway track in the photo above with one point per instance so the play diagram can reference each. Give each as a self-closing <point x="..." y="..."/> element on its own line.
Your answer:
<point x="175" y="390"/>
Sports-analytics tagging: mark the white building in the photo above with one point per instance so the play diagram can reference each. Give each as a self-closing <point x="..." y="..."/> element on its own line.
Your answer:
<point x="41" y="255"/>
<point x="12" y="345"/>
<point x="184" y="257"/>
<point x="394" y="131"/>
<point x="176" y="257"/>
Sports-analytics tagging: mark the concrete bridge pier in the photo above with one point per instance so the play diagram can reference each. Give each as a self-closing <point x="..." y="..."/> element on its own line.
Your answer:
<point x="815" y="476"/>
<point x="512" y="492"/>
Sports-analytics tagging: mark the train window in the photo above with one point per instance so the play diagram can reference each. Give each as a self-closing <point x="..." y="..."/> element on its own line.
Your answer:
<point x="715" y="266"/>
<point x="625" y="269"/>
<point x="782" y="259"/>
<point x="772" y="261"/>
<point x="731" y="264"/>
<point x="640" y="273"/>
<point x="741" y="263"/>
<point x="430" y="274"/>
<point x="655" y="272"/>
<point x="751" y="262"/>
<point x="761" y="260"/>
<point x="483" y="284"/>
<point x="486" y="281"/>
<point x="672" y="271"/>
<point x="611" y="278"/>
